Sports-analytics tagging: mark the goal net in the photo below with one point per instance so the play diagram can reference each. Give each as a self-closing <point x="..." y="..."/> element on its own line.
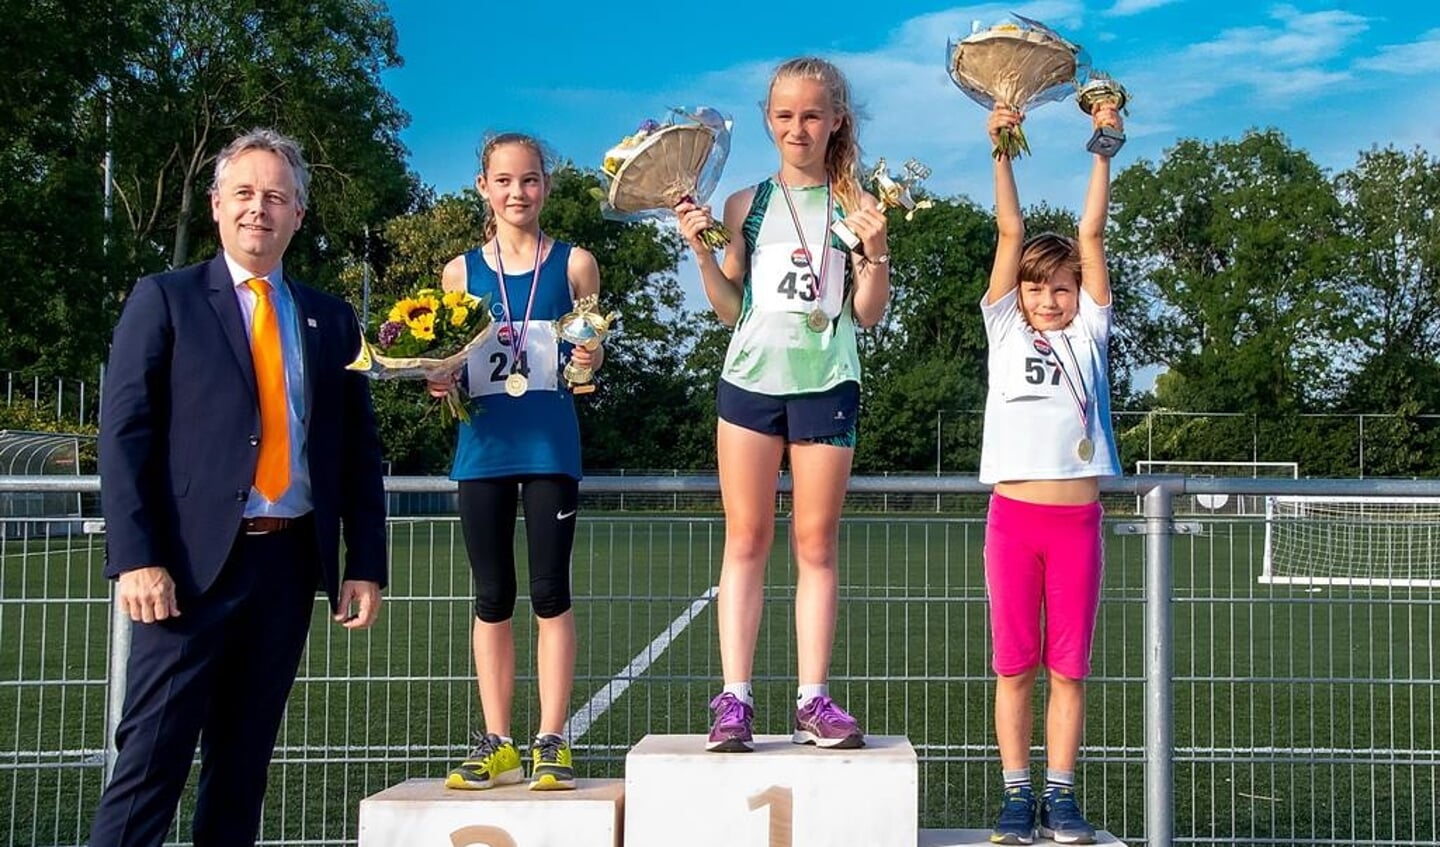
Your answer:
<point x="1391" y="541"/>
<point x="1219" y="504"/>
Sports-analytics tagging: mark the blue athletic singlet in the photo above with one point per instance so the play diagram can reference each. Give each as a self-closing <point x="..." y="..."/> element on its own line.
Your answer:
<point x="536" y="433"/>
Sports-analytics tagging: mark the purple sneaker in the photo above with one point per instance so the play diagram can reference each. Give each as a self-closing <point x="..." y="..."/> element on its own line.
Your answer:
<point x="731" y="731"/>
<point x="824" y="724"/>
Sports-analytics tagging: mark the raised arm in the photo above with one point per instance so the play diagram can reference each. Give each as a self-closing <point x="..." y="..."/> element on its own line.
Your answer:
<point x="1094" y="273"/>
<point x="1005" y="273"/>
<point x="724" y="282"/>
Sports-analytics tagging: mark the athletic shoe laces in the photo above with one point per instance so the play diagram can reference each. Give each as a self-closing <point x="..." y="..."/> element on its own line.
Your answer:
<point x="549" y="746"/>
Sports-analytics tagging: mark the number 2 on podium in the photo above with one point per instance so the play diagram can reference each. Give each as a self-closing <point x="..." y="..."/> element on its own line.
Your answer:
<point x="782" y="813"/>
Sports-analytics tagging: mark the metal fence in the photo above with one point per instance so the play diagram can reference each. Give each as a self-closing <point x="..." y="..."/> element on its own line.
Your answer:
<point x="1220" y="710"/>
<point x="63" y="400"/>
<point x="1323" y="444"/>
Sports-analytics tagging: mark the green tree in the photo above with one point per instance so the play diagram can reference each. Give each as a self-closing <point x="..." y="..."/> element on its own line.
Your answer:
<point x="1392" y="280"/>
<point x="1233" y="252"/>
<point x="52" y="142"/>
<point x="644" y="386"/>
<point x="928" y="353"/>
<point x="309" y="68"/>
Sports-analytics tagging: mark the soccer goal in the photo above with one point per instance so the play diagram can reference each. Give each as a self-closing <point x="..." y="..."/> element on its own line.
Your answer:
<point x="1220" y="504"/>
<point x="1390" y="541"/>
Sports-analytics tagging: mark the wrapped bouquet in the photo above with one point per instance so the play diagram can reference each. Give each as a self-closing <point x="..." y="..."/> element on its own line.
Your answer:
<point x="1017" y="64"/>
<point x="661" y="165"/>
<point x="427" y="334"/>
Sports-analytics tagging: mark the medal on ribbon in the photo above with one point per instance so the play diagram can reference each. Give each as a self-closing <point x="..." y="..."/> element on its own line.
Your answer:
<point x="1084" y="448"/>
<point x="816" y="320"/>
<point x="517" y="383"/>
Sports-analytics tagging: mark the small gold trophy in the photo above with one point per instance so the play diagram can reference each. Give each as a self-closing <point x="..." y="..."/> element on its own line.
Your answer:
<point x="891" y="194"/>
<point x="1100" y="91"/>
<point x="584" y="327"/>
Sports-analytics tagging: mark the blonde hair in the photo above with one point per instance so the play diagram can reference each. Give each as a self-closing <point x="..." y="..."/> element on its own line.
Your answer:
<point x="842" y="153"/>
<point x="502" y="139"/>
<point x="1044" y="254"/>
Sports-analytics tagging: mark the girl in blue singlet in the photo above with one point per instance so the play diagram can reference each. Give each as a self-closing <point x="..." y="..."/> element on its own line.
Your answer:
<point x="791" y="384"/>
<point x="522" y="442"/>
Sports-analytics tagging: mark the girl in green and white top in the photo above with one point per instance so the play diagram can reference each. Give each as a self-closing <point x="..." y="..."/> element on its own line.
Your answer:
<point x="791" y="382"/>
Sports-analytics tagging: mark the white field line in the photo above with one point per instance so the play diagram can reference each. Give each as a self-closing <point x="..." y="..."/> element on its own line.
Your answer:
<point x="586" y="716"/>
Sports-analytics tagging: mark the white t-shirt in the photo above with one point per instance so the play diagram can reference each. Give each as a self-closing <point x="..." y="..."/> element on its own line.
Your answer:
<point x="1033" y="423"/>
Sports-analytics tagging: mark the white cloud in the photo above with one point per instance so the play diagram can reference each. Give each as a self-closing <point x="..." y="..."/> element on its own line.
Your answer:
<point x="1300" y="38"/>
<point x="1417" y="57"/>
<point x="1125" y="8"/>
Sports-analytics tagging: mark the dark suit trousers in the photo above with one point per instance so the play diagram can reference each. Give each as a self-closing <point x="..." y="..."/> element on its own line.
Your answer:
<point x="219" y="673"/>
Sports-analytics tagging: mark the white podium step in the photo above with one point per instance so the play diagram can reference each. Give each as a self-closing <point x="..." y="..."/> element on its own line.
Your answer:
<point x="424" y="811"/>
<point x="978" y="837"/>
<point x="781" y="795"/>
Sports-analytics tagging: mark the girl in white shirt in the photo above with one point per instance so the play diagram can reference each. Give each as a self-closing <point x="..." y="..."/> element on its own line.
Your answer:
<point x="1047" y="442"/>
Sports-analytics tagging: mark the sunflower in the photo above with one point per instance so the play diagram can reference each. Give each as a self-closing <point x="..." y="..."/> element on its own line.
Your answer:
<point x="409" y="309"/>
<point x="458" y="315"/>
<point x="422" y="326"/>
<point x="452" y="299"/>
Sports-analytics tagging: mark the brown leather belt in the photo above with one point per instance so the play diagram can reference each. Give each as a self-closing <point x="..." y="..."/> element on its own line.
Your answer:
<point x="265" y="525"/>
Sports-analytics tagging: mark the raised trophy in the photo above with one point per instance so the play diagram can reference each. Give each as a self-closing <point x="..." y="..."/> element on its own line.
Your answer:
<point x="891" y="193"/>
<point x="1102" y="90"/>
<point x="584" y="327"/>
<point x="1018" y="65"/>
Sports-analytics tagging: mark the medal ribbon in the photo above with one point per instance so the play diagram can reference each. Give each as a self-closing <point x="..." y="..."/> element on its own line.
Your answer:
<point x="517" y="343"/>
<point x="817" y="281"/>
<point x="1082" y="396"/>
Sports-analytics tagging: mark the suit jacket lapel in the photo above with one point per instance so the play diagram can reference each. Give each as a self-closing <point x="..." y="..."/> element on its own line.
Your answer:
<point x="232" y="321"/>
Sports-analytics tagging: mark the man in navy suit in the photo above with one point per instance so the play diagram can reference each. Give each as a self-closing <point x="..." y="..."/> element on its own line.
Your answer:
<point x="218" y="577"/>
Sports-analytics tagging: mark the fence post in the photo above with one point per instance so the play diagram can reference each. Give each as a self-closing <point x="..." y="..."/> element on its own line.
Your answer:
<point x="1159" y="669"/>
<point x="115" y="700"/>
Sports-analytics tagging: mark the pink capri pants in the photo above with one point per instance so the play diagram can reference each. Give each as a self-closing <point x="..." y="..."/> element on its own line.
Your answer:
<point x="1043" y="557"/>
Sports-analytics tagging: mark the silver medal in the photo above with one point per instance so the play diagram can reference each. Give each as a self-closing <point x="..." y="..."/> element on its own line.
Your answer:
<point x="1085" y="449"/>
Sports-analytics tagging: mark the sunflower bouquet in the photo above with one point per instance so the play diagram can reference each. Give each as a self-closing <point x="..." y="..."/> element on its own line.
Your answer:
<point x="427" y="334"/>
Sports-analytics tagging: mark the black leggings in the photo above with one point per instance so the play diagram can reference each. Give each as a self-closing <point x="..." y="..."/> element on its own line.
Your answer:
<point x="487" y="518"/>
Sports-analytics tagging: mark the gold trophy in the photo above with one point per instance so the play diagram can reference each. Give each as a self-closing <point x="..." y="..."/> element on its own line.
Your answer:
<point x="1100" y="91"/>
<point x="584" y="327"/>
<point x="891" y="193"/>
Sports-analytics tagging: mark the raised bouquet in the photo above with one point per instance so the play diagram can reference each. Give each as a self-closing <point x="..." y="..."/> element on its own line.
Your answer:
<point x="661" y="165"/>
<point x="427" y="334"/>
<point x="1019" y="64"/>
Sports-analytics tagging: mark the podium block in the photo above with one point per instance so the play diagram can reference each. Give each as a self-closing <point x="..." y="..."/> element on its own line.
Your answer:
<point x="424" y="811"/>
<point x="979" y="837"/>
<point x="781" y="795"/>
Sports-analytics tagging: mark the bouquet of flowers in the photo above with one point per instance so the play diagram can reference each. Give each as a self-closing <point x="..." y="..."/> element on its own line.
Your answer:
<point x="1018" y="64"/>
<point x="428" y="333"/>
<point x="662" y="165"/>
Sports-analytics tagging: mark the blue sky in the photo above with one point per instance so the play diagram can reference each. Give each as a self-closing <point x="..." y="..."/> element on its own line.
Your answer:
<point x="1336" y="79"/>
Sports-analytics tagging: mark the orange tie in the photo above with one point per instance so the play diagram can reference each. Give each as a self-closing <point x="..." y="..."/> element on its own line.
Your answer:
<point x="272" y="474"/>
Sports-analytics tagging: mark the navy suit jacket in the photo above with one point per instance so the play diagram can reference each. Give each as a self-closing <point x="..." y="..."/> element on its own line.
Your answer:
<point x="180" y="426"/>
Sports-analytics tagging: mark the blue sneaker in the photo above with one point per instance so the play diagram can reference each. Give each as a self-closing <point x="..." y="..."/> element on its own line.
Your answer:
<point x="1017" y="817"/>
<point x="1060" y="817"/>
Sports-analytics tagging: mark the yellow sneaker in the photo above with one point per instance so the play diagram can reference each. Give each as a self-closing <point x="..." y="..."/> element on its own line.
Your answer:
<point x="552" y="768"/>
<point x="493" y="762"/>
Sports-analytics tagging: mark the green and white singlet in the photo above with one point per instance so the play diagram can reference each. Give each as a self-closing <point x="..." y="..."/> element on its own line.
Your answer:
<point x="772" y="351"/>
